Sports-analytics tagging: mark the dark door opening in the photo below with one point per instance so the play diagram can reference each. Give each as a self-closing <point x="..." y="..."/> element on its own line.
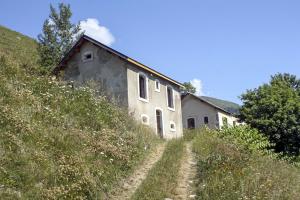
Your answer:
<point x="191" y="123"/>
<point x="159" y="123"/>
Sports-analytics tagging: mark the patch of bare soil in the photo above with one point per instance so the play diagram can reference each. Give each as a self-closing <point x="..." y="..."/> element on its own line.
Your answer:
<point x="130" y="184"/>
<point x="187" y="175"/>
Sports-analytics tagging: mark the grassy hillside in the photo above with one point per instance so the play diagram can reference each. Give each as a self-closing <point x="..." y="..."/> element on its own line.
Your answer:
<point x="227" y="170"/>
<point x="226" y="105"/>
<point x="57" y="142"/>
<point x="17" y="47"/>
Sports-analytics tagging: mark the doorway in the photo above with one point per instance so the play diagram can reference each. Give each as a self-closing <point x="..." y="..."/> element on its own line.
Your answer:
<point x="191" y="123"/>
<point x="159" y="123"/>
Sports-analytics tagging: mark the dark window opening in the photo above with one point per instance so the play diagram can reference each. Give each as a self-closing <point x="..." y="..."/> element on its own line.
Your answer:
<point x="205" y="120"/>
<point x="87" y="56"/>
<point x="191" y="123"/>
<point x="234" y="123"/>
<point x="142" y="86"/>
<point x="157" y="85"/>
<point x="170" y="97"/>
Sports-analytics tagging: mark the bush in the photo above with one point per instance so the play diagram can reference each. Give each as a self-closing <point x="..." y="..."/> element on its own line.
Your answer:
<point x="247" y="137"/>
<point x="226" y="171"/>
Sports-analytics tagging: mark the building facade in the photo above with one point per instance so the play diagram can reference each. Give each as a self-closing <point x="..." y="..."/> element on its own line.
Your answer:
<point x="198" y="112"/>
<point x="151" y="97"/>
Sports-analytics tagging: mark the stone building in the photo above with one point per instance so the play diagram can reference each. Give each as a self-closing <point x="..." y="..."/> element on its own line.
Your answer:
<point x="152" y="98"/>
<point x="198" y="112"/>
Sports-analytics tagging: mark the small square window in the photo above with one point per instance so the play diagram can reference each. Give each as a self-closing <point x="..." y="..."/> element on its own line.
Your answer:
<point x="172" y="126"/>
<point x="145" y="119"/>
<point x="87" y="56"/>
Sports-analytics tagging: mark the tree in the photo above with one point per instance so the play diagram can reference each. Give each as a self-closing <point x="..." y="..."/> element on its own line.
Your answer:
<point x="274" y="109"/>
<point x="188" y="87"/>
<point x="57" y="37"/>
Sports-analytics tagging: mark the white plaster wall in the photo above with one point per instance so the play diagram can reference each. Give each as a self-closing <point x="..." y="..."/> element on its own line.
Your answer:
<point x="230" y="119"/>
<point x="194" y="108"/>
<point x="156" y="100"/>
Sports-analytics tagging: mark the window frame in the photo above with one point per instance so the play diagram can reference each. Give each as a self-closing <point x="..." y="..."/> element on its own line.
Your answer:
<point x="84" y="54"/>
<point x="146" y="85"/>
<point x="173" y="97"/>
<point x="173" y="129"/>
<point x="162" y="120"/>
<point x="204" y="120"/>
<point x="155" y="82"/>
<point x="187" y="122"/>
<point x="145" y="123"/>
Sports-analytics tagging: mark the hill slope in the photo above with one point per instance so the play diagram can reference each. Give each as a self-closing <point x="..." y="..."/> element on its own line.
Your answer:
<point x="226" y="105"/>
<point x="17" y="47"/>
<point x="57" y="142"/>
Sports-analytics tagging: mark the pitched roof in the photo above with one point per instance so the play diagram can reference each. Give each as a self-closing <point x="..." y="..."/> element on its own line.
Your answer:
<point x="80" y="41"/>
<point x="207" y="102"/>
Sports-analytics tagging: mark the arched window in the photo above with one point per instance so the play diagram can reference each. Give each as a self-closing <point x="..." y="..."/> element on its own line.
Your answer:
<point x="170" y="97"/>
<point x="143" y="86"/>
<point x="157" y="85"/>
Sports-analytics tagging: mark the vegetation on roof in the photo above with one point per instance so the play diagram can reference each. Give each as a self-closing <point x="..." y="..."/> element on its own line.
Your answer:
<point x="226" y="105"/>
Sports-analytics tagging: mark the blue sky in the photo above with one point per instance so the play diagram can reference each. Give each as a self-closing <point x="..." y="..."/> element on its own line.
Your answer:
<point x="231" y="46"/>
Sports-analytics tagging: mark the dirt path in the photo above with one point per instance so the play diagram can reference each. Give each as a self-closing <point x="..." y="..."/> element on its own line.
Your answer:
<point x="130" y="184"/>
<point x="187" y="175"/>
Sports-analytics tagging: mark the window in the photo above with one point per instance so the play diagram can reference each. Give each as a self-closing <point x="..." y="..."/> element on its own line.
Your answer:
<point x="206" y="120"/>
<point x="159" y="122"/>
<point x="170" y="97"/>
<point x="87" y="56"/>
<point x="191" y="123"/>
<point x="172" y="126"/>
<point x="157" y="85"/>
<point x="225" y="121"/>
<point x="143" y="86"/>
<point x="145" y="119"/>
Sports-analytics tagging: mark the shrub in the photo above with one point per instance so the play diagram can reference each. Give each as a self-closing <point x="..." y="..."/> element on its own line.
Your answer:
<point x="247" y="137"/>
<point x="226" y="171"/>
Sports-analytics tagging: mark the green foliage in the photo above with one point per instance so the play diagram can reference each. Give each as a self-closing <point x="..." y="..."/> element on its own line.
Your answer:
<point x="227" y="171"/>
<point x="57" y="142"/>
<point x="161" y="181"/>
<point x="226" y="105"/>
<point x="247" y="137"/>
<point x="188" y="87"/>
<point x="58" y="36"/>
<point x="274" y="109"/>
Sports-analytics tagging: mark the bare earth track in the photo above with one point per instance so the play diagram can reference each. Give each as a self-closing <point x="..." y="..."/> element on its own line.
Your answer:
<point x="130" y="184"/>
<point x="187" y="175"/>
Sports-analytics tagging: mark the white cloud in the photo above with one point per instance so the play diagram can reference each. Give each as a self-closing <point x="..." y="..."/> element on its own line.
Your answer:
<point x="92" y="28"/>
<point x="197" y="83"/>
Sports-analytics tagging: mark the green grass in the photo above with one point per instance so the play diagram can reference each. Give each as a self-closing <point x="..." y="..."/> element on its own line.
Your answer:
<point x="162" y="179"/>
<point x="229" y="171"/>
<point x="57" y="142"/>
<point x="17" y="47"/>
